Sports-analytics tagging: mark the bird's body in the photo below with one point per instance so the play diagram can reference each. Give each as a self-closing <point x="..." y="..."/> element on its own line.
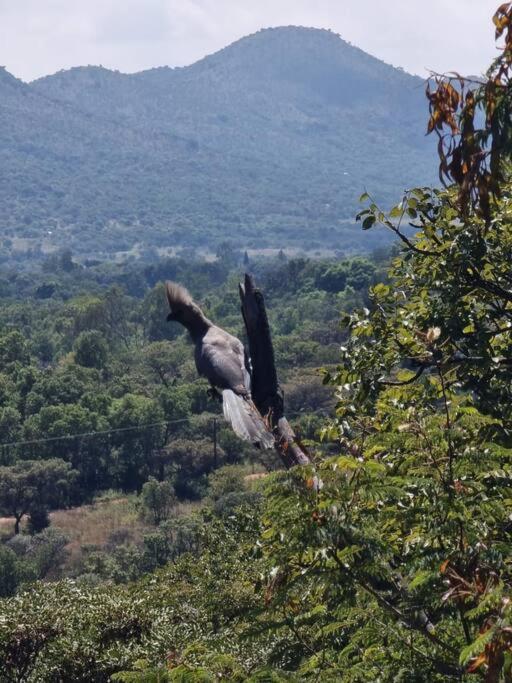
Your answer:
<point x="220" y="357"/>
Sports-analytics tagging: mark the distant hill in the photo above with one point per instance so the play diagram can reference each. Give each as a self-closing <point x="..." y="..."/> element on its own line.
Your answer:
<point x="268" y="142"/>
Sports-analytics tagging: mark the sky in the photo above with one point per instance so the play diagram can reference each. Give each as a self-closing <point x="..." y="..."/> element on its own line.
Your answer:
<point x="39" y="37"/>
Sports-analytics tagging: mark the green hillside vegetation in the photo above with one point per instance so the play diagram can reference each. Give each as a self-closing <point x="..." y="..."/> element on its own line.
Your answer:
<point x="267" y="143"/>
<point x="99" y="393"/>
<point x="386" y="558"/>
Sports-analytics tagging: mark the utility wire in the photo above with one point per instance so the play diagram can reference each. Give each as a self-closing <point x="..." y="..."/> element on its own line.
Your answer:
<point x="34" y="442"/>
<point x="89" y="434"/>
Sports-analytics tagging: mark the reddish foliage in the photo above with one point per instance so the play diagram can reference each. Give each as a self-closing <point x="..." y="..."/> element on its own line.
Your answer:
<point x="471" y="156"/>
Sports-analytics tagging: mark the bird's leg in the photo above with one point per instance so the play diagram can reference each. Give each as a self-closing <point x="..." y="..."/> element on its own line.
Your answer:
<point x="214" y="393"/>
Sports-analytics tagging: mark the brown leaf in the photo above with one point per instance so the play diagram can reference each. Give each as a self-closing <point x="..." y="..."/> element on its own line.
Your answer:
<point x="477" y="663"/>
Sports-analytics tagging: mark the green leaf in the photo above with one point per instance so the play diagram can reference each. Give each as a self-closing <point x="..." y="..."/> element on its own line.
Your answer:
<point x="420" y="578"/>
<point x="368" y="222"/>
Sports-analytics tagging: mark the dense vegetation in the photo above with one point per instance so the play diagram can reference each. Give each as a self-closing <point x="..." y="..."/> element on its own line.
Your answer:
<point x="389" y="557"/>
<point x="100" y="393"/>
<point x="267" y="143"/>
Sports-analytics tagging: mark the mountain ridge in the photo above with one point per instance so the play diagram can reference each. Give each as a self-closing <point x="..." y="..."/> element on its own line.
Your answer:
<point x="267" y="142"/>
<point x="239" y="42"/>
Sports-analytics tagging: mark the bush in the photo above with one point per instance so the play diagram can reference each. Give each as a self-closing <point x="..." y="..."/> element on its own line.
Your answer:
<point x="38" y="519"/>
<point x="228" y="479"/>
<point x="157" y="500"/>
<point x="9" y="575"/>
<point x="226" y="506"/>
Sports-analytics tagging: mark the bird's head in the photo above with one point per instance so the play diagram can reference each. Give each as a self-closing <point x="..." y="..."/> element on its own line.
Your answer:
<point x="183" y="308"/>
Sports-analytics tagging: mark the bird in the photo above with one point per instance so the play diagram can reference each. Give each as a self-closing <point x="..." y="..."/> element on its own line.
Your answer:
<point x="221" y="358"/>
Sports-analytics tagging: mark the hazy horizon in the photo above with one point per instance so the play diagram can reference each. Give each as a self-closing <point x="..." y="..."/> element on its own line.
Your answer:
<point x="133" y="36"/>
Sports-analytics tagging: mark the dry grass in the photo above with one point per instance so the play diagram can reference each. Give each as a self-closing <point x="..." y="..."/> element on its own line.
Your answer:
<point x="96" y="525"/>
<point x="6" y="527"/>
<point x="93" y="526"/>
<point x="87" y="524"/>
<point x="256" y="476"/>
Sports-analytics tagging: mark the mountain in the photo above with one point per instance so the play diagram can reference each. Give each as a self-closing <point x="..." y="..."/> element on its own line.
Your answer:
<point x="268" y="142"/>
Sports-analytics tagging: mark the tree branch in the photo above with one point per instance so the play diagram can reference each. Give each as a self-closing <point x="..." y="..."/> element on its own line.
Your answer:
<point x="266" y="392"/>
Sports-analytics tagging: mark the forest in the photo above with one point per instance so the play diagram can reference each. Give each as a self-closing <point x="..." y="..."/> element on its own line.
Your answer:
<point x="267" y="143"/>
<point x="100" y="395"/>
<point x="386" y="558"/>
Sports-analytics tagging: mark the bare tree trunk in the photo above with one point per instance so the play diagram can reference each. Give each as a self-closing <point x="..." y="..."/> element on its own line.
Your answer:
<point x="266" y="392"/>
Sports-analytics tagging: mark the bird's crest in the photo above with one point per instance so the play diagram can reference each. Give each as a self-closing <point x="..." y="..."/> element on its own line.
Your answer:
<point x="177" y="296"/>
<point x="184" y="310"/>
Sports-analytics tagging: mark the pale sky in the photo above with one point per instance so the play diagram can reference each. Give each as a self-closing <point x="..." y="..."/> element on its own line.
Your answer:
<point x="39" y="37"/>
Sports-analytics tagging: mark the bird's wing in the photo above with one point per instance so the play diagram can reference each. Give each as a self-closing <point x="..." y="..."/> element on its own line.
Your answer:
<point x="220" y="358"/>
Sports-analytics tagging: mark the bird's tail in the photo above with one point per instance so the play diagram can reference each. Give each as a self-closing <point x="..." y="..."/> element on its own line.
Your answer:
<point x="245" y="419"/>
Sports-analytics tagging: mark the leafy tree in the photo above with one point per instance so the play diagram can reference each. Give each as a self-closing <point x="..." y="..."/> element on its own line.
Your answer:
<point x="10" y="424"/>
<point x="91" y="349"/>
<point x="233" y="447"/>
<point x="109" y="314"/>
<point x="165" y="361"/>
<point x="177" y="402"/>
<point x="13" y="347"/>
<point x="397" y="549"/>
<point x="333" y="278"/>
<point x="157" y="499"/>
<point x="360" y="273"/>
<point x="134" y="457"/>
<point x="88" y="455"/>
<point x="27" y="483"/>
<point x="7" y="391"/>
<point x="194" y="461"/>
<point x="228" y="490"/>
<point x="63" y="385"/>
<point x="77" y="630"/>
<point x="43" y="346"/>
<point x="45" y="553"/>
<point x="66" y="260"/>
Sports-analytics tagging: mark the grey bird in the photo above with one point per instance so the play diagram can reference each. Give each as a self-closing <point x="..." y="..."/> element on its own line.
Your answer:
<point x="220" y="357"/>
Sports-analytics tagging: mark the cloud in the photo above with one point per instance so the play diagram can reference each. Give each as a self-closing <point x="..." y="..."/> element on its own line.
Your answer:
<point x="42" y="36"/>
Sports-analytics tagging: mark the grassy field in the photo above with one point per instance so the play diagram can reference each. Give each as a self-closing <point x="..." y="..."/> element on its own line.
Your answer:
<point x="110" y="520"/>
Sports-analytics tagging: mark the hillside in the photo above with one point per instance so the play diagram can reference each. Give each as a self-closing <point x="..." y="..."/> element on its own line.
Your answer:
<point x="268" y="142"/>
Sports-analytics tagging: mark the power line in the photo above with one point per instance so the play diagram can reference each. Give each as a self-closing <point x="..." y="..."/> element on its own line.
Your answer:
<point x="33" y="442"/>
